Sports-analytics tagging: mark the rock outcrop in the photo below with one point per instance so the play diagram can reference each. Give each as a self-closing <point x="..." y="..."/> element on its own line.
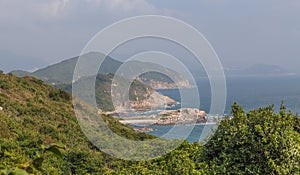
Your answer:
<point x="181" y="116"/>
<point x="155" y="101"/>
<point x="144" y="129"/>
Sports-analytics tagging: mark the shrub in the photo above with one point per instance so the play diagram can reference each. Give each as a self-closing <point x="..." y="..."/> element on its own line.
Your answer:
<point x="58" y="94"/>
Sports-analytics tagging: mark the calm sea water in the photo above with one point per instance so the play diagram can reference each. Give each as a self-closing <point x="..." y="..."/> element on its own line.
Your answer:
<point x="250" y="92"/>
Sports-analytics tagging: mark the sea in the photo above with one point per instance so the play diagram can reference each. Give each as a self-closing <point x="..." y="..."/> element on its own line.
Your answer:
<point x="249" y="92"/>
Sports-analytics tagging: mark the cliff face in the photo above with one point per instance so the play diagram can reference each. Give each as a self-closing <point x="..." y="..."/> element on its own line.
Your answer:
<point x="152" y="101"/>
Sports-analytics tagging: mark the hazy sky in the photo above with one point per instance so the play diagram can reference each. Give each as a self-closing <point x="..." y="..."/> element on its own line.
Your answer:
<point x="36" y="33"/>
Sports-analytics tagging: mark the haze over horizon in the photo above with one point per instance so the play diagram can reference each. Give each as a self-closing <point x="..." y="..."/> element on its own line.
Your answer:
<point x="36" y="34"/>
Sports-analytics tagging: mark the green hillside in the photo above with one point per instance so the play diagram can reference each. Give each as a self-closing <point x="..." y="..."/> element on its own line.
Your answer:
<point x="137" y="92"/>
<point x="34" y="114"/>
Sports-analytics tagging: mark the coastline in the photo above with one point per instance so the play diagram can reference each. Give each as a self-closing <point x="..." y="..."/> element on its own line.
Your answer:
<point x="147" y="122"/>
<point x="182" y="116"/>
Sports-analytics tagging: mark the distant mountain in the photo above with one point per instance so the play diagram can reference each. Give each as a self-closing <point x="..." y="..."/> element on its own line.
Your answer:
<point x="257" y="70"/>
<point x="262" y="70"/>
<point x="20" y="73"/>
<point x="62" y="73"/>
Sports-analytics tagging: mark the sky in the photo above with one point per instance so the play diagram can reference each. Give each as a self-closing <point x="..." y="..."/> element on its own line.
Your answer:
<point x="35" y="33"/>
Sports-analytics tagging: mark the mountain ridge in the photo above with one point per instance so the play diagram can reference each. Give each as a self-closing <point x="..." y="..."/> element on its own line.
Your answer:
<point x="62" y="72"/>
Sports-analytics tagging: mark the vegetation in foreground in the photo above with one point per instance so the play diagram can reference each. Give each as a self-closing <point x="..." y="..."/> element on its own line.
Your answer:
<point x="34" y="114"/>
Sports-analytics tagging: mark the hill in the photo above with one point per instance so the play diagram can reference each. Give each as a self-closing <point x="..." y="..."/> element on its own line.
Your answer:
<point x="35" y="114"/>
<point x="62" y="73"/>
<point x="20" y="73"/>
<point x="141" y="96"/>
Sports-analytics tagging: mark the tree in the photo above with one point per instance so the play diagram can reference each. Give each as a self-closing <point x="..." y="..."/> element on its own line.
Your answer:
<point x="258" y="142"/>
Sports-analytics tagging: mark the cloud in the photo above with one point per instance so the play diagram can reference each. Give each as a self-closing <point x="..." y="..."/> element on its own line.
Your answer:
<point x="124" y="5"/>
<point x="31" y="10"/>
<point x="54" y="8"/>
<point x="54" y="29"/>
<point x="241" y="31"/>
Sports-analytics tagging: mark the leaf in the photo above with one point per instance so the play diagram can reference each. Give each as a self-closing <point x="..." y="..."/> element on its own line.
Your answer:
<point x="59" y="145"/>
<point x="18" y="171"/>
<point x="24" y="166"/>
<point x="55" y="151"/>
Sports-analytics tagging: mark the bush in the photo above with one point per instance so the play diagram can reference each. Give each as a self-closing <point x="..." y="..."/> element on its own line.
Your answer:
<point x="259" y="142"/>
<point x="58" y="95"/>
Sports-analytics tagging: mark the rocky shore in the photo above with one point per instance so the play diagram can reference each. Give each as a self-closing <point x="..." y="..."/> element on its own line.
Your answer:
<point x="144" y="129"/>
<point x="181" y="116"/>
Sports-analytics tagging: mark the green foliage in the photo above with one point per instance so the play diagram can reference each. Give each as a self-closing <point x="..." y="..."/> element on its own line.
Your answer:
<point x="139" y="91"/>
<point x="157" y="76"/>
<point x="58" y="94"/>
<point x="32" y="117"/>
<point x="34" y="165"/>
<point x="259" y="142"/>
<point x="103" y="86"/>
